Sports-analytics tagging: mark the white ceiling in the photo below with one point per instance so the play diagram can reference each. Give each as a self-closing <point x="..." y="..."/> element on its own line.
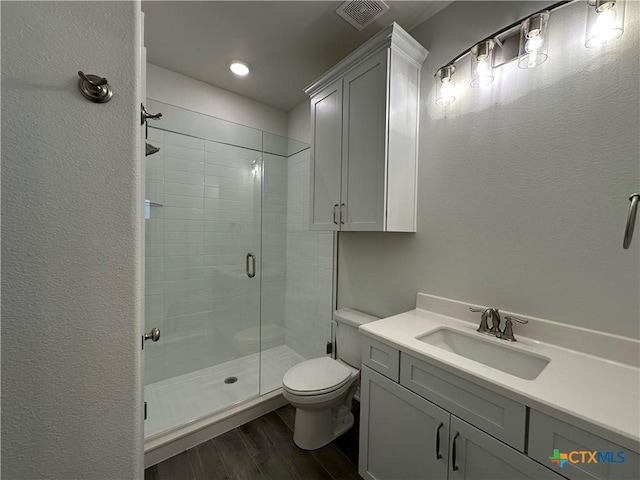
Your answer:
<point x="287" y="43"/>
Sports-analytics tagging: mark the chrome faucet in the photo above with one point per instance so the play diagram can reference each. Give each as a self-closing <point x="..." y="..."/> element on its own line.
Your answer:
<point x="487" y="313"/>
<point x="494" y="314"/>
<point x="507" y="334"/>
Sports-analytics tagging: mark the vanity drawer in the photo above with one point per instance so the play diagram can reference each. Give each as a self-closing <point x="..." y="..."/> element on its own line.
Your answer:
<point x="499" y="416"/>
<point x="381" y="358"/>
<point x="547" y="434"/>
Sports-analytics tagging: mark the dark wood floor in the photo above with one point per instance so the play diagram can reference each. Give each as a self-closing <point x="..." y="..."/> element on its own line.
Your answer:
<point x="262" y="450"/>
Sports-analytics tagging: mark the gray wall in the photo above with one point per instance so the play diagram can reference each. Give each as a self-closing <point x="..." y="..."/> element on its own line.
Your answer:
<point x="523" y="187"/>
<point x="182" y="91"/>
<point x="71" y="221"/>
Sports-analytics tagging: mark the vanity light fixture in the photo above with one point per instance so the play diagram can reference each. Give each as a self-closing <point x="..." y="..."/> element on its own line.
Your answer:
<point x="445" y="85"/>
<point x="605" y="22"/>
<point x="482" y="64"/>
<point x="526" y="40"/>
<point x="533" y="40"/>
<point x="239" y="68"/>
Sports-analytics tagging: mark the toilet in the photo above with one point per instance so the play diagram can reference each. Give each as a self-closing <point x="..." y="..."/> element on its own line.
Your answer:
<point x="322" y="389"/>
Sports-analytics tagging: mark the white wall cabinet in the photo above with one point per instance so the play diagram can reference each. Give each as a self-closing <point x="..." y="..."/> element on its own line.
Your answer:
<point x="364" y="132"/>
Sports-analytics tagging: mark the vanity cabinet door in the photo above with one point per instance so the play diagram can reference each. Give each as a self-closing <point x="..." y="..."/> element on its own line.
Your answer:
<point x="546" y="434"/>
<point x="326" y="158"/>
<point x="402" y="436"/>
<point x="474" y="455"/>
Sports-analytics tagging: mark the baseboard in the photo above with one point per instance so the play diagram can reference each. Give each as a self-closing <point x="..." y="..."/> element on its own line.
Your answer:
<point x="177" y="441"/>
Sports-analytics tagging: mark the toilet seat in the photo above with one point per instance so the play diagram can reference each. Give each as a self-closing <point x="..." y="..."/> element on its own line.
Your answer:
<point x="317" y="376"/>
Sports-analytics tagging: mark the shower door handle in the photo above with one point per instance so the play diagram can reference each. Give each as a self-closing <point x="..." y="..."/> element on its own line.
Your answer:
<point x="251" y="265"/>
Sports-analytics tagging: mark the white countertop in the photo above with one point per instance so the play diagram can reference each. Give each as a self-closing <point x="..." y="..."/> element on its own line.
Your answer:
<point x="597" y="394"/>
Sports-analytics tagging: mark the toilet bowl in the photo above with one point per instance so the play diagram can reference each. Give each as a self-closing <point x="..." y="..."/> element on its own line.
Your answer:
<point x="322" y="389"/>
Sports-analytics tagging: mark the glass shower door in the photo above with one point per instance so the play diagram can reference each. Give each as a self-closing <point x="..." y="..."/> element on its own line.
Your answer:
<point x="232" y="248"/>
<point x="203" y="283"/>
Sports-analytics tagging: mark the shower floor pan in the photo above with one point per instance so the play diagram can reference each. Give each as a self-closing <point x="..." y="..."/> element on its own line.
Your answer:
<point x="181" y="400"/>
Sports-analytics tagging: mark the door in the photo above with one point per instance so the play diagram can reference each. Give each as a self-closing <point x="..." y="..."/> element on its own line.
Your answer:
<point x="326" y="158"/>
<point x="478" y="456"/>
<point x="402" y="436"/>
<point x="364" y="146"/>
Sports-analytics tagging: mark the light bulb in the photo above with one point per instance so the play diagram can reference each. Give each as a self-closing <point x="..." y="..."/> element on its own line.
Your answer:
<point x="531" y="47"/>
<point x="605" y="23"/>
<point x="447" y="93"/>
<point x="603" y="31"/>
<point x="482" y="64"/>
<point x="533" y="40"/>
<point x="445" y="86"/>
<point x="483" y="70"/>
<point x="239" y="68"/>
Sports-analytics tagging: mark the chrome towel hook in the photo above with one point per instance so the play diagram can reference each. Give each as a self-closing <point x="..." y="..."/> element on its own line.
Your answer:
<point x="94" y="88"/>
<point x="631" y="220"/>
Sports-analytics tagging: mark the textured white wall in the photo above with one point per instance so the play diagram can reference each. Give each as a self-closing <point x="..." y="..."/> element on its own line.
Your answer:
<point x="70" y="248"/>
<point x="176" y="89"/>
<point x="523" y="187"/>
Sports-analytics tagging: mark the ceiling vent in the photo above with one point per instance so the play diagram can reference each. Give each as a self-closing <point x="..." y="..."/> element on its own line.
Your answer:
<point x="359" y="13"/>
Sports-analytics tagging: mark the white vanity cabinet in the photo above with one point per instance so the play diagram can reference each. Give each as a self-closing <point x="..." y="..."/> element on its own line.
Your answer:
<point x="476" y="455"/>
<point x="404" y="437"/>
<point x="612" y="461"/>
<point x="364" y="132"/>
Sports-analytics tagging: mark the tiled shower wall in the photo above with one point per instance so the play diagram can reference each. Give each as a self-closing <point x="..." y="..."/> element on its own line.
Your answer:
<point x="198" y="292"/>
<point x="309" y="267"/>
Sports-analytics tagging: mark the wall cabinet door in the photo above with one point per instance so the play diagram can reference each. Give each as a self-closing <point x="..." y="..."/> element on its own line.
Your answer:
<point x="364" y="145"/>
<point x="402" y="436"/>
<point x="474" y="455"/>
<point x="326" y="158"/>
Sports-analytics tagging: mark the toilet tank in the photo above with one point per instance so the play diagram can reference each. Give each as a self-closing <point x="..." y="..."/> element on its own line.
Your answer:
<point x="348" y="347"/>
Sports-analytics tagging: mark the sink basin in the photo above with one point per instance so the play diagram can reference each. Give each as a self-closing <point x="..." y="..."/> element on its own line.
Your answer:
<point x="487" y="351"/>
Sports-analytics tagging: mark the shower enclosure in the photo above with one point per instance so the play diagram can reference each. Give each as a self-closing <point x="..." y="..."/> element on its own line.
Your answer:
<point x="238" y="286"/>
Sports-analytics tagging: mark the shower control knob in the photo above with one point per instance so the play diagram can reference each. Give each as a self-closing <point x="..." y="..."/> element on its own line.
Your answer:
<point x="153" y="335"/>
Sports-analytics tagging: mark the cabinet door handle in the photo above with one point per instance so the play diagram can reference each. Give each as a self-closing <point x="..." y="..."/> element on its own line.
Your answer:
<point x="341" y="210"/>
<point x="438" y="454"/>
<point x="335" y="208"/>
<point x="454" y="467"/>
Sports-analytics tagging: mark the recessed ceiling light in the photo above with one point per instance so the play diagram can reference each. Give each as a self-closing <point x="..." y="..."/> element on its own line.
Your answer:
<point x="239" y="68"/>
